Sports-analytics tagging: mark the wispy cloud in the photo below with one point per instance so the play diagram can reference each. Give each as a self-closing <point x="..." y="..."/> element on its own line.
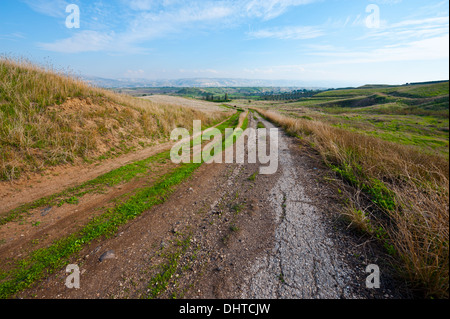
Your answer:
<point x="288" y="33"/>
<point x="141" y="24"/>
<point x="141" y="5"/>
<point x="269" y="9"/>
<point x="12" y="36"/>
<point x="146" y="20"/>
<point x="435" y="48"/>
<point x="86" y="41"/>
<point x="408" y="29"/>
<point x="419" y="39"/>
<point x="52" y="8"/>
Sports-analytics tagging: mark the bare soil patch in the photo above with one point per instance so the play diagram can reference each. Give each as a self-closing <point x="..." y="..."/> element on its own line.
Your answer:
<point x="56" y="179"/>
<point x="191" y="103"/>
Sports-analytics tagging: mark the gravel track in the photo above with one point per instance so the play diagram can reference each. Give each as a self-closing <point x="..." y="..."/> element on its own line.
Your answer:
<point x="304" y="262"/>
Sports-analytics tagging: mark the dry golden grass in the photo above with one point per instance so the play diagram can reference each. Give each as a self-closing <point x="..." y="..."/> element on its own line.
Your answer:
<point x="400" y="195"/>
<point x="48" y="118"/>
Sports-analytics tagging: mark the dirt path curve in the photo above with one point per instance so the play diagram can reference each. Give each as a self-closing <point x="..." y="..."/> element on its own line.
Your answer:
<point x="228" y="232"/>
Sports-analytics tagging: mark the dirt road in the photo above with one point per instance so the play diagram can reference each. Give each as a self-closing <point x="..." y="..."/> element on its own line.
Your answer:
<point x="303" y="262"/>
<point x="230" y="232"/>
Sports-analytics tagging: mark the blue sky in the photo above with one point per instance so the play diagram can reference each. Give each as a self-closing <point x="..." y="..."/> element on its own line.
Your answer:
<point x="307" y="40"/>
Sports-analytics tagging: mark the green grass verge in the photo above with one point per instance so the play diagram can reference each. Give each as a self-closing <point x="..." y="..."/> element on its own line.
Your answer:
<point x="260" y="125"/>
<point x="118" y="176"/>
<point x="115" y="177"/>
<point x="45" y="261"/>
<point x="245" y="122"/>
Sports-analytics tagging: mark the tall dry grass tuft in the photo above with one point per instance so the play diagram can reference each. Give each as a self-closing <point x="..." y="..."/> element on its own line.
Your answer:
<point x="401" y="196"/>
<point x="49" y="118"/>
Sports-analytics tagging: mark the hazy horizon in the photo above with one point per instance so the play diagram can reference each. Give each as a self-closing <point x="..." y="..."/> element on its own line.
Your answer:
<point x="203" y="82"/>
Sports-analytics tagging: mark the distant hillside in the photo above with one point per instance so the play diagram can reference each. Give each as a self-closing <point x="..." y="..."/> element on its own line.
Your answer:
<point x="430" y="98"/>
<point x="203" y="83"/>
<point x="50" y="119"/>
<point x="419" y="90"/>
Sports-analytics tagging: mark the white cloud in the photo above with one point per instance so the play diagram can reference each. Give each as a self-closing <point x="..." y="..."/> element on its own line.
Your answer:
<point x="83" y="41"/>
<point x="426" y="21"/>
<point x="288" y="33"/>
<point x="143" y="26"/>
<point x="148" y="25"/>
<point x="141" y="4"/>
<point x="13" y="36"/>
<point x="52" y="8"/>
<point x="269" y="9"/>
<point x="411" y="29"/>
<point x="436" y="48"/>
<point x="151" y="19"/>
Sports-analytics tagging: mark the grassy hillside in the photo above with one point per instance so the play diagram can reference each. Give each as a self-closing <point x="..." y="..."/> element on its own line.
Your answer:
<point x="393" y="193"/>
<point x="416" y="115"/>
<point x="47" y="118"/>
<point x="420" y="99"/>
<point x="410" y="90"/>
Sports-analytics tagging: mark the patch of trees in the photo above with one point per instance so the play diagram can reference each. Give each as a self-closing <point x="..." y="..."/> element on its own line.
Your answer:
<point x="216" y="98"/>
<point x="293" y="95"/>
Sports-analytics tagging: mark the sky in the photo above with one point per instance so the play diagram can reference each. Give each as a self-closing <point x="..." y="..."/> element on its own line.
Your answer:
<point x="352" y="42"/>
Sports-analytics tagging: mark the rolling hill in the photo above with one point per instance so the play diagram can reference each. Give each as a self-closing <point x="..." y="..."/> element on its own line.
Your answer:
<point x="48" y="118"/>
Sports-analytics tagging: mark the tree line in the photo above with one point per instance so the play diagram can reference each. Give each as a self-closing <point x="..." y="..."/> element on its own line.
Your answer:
<point x="216" y="98"/>
<point x="293" y="95"/>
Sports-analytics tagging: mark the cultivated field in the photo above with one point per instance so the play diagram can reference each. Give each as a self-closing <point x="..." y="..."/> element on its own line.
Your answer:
<point x="190" y="103"/>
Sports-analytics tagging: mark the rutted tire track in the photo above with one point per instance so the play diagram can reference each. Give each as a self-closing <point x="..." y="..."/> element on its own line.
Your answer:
<point x="304" y="262"/>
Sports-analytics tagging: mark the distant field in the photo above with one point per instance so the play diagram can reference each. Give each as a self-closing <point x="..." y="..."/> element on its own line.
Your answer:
<point x="416" y="115"/>
<point x="190" y="103"/>
<point x="253" y="93"/>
